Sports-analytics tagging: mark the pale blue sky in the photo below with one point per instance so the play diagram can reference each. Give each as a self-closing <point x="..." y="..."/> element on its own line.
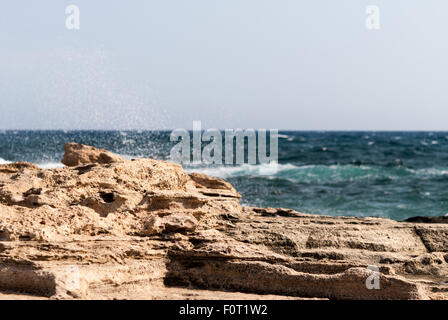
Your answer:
<point x="288" y="64"/>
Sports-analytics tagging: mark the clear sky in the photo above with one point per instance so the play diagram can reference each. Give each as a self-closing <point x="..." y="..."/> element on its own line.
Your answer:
<point x="287" y="64"/>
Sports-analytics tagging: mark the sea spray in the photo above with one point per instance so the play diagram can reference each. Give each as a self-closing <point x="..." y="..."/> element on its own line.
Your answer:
<point x="395" y="175"/>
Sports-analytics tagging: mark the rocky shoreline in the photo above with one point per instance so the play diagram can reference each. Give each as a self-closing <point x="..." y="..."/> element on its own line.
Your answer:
<point x="104" y="227"/>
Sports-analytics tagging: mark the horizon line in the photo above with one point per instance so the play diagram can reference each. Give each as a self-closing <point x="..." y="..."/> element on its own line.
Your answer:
<point x="222" y="129"/>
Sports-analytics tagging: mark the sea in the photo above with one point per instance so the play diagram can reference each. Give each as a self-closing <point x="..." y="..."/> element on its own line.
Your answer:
<point x="394" y="175"/>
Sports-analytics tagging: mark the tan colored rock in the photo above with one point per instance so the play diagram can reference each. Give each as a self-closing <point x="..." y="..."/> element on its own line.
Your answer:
<point x="77" y="154"/>
<point x="116" y="228"/>
<point x="171" y="223"/>
<point x="208" y="184"/>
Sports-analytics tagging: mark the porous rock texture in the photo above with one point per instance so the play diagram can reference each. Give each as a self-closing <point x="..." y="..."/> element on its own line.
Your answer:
<point x="105" y="227"/>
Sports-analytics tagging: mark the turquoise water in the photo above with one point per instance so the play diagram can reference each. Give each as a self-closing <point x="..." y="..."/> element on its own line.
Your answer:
<point x="386" y="174"/>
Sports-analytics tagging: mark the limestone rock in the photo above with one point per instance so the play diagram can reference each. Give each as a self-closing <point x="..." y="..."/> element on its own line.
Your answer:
<point x="78" y="154"/>
<point x="106" y="227"/>
<point x="170" y="223"/>
<point x="443" y="219"/>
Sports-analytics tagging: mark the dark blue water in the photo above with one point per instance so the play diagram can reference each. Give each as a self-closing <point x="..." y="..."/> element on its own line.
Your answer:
<point x="387" y="174"/>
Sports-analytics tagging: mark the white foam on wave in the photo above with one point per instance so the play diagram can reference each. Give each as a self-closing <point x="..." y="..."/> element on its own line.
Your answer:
<point x="47" y="165"/>
<point x="309" y="173"/>
<point x="3" y="161"/>
<point x="285" y="170"/>
<point x="267" y="169"/>
<point x="430" y="171"/>
<point x="50" y="165"/>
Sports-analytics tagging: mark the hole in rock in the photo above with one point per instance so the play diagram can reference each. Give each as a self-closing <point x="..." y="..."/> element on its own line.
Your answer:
<point x="4" y="235"/>
<point x="24" y="238"/>
<point x="84" y="169"/>
<point x="107" y="197"/>
<point x="32" y="191"/>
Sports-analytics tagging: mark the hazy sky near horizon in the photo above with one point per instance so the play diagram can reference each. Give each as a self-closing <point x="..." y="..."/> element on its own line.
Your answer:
<point x="287" y="64"/>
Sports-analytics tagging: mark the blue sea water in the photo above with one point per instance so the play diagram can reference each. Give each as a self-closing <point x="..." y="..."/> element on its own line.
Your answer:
<point x="383" y="174"/>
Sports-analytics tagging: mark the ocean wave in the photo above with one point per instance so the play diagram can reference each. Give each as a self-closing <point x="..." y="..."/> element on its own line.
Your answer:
<point x="269" y="169"/>
<point x="321" y="173"/>
<point x="50" y="165"/>
<point x="3" y="161"/>
<point x="301" y="173"/>
<point x="45" y="165"/>
<point x="289" y="171"/>
<point x="431" y="172"/>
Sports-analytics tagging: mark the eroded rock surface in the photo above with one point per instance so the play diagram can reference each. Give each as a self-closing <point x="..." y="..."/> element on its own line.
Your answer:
<point x="106" y="227"/>
<point x="77" y="154"/>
